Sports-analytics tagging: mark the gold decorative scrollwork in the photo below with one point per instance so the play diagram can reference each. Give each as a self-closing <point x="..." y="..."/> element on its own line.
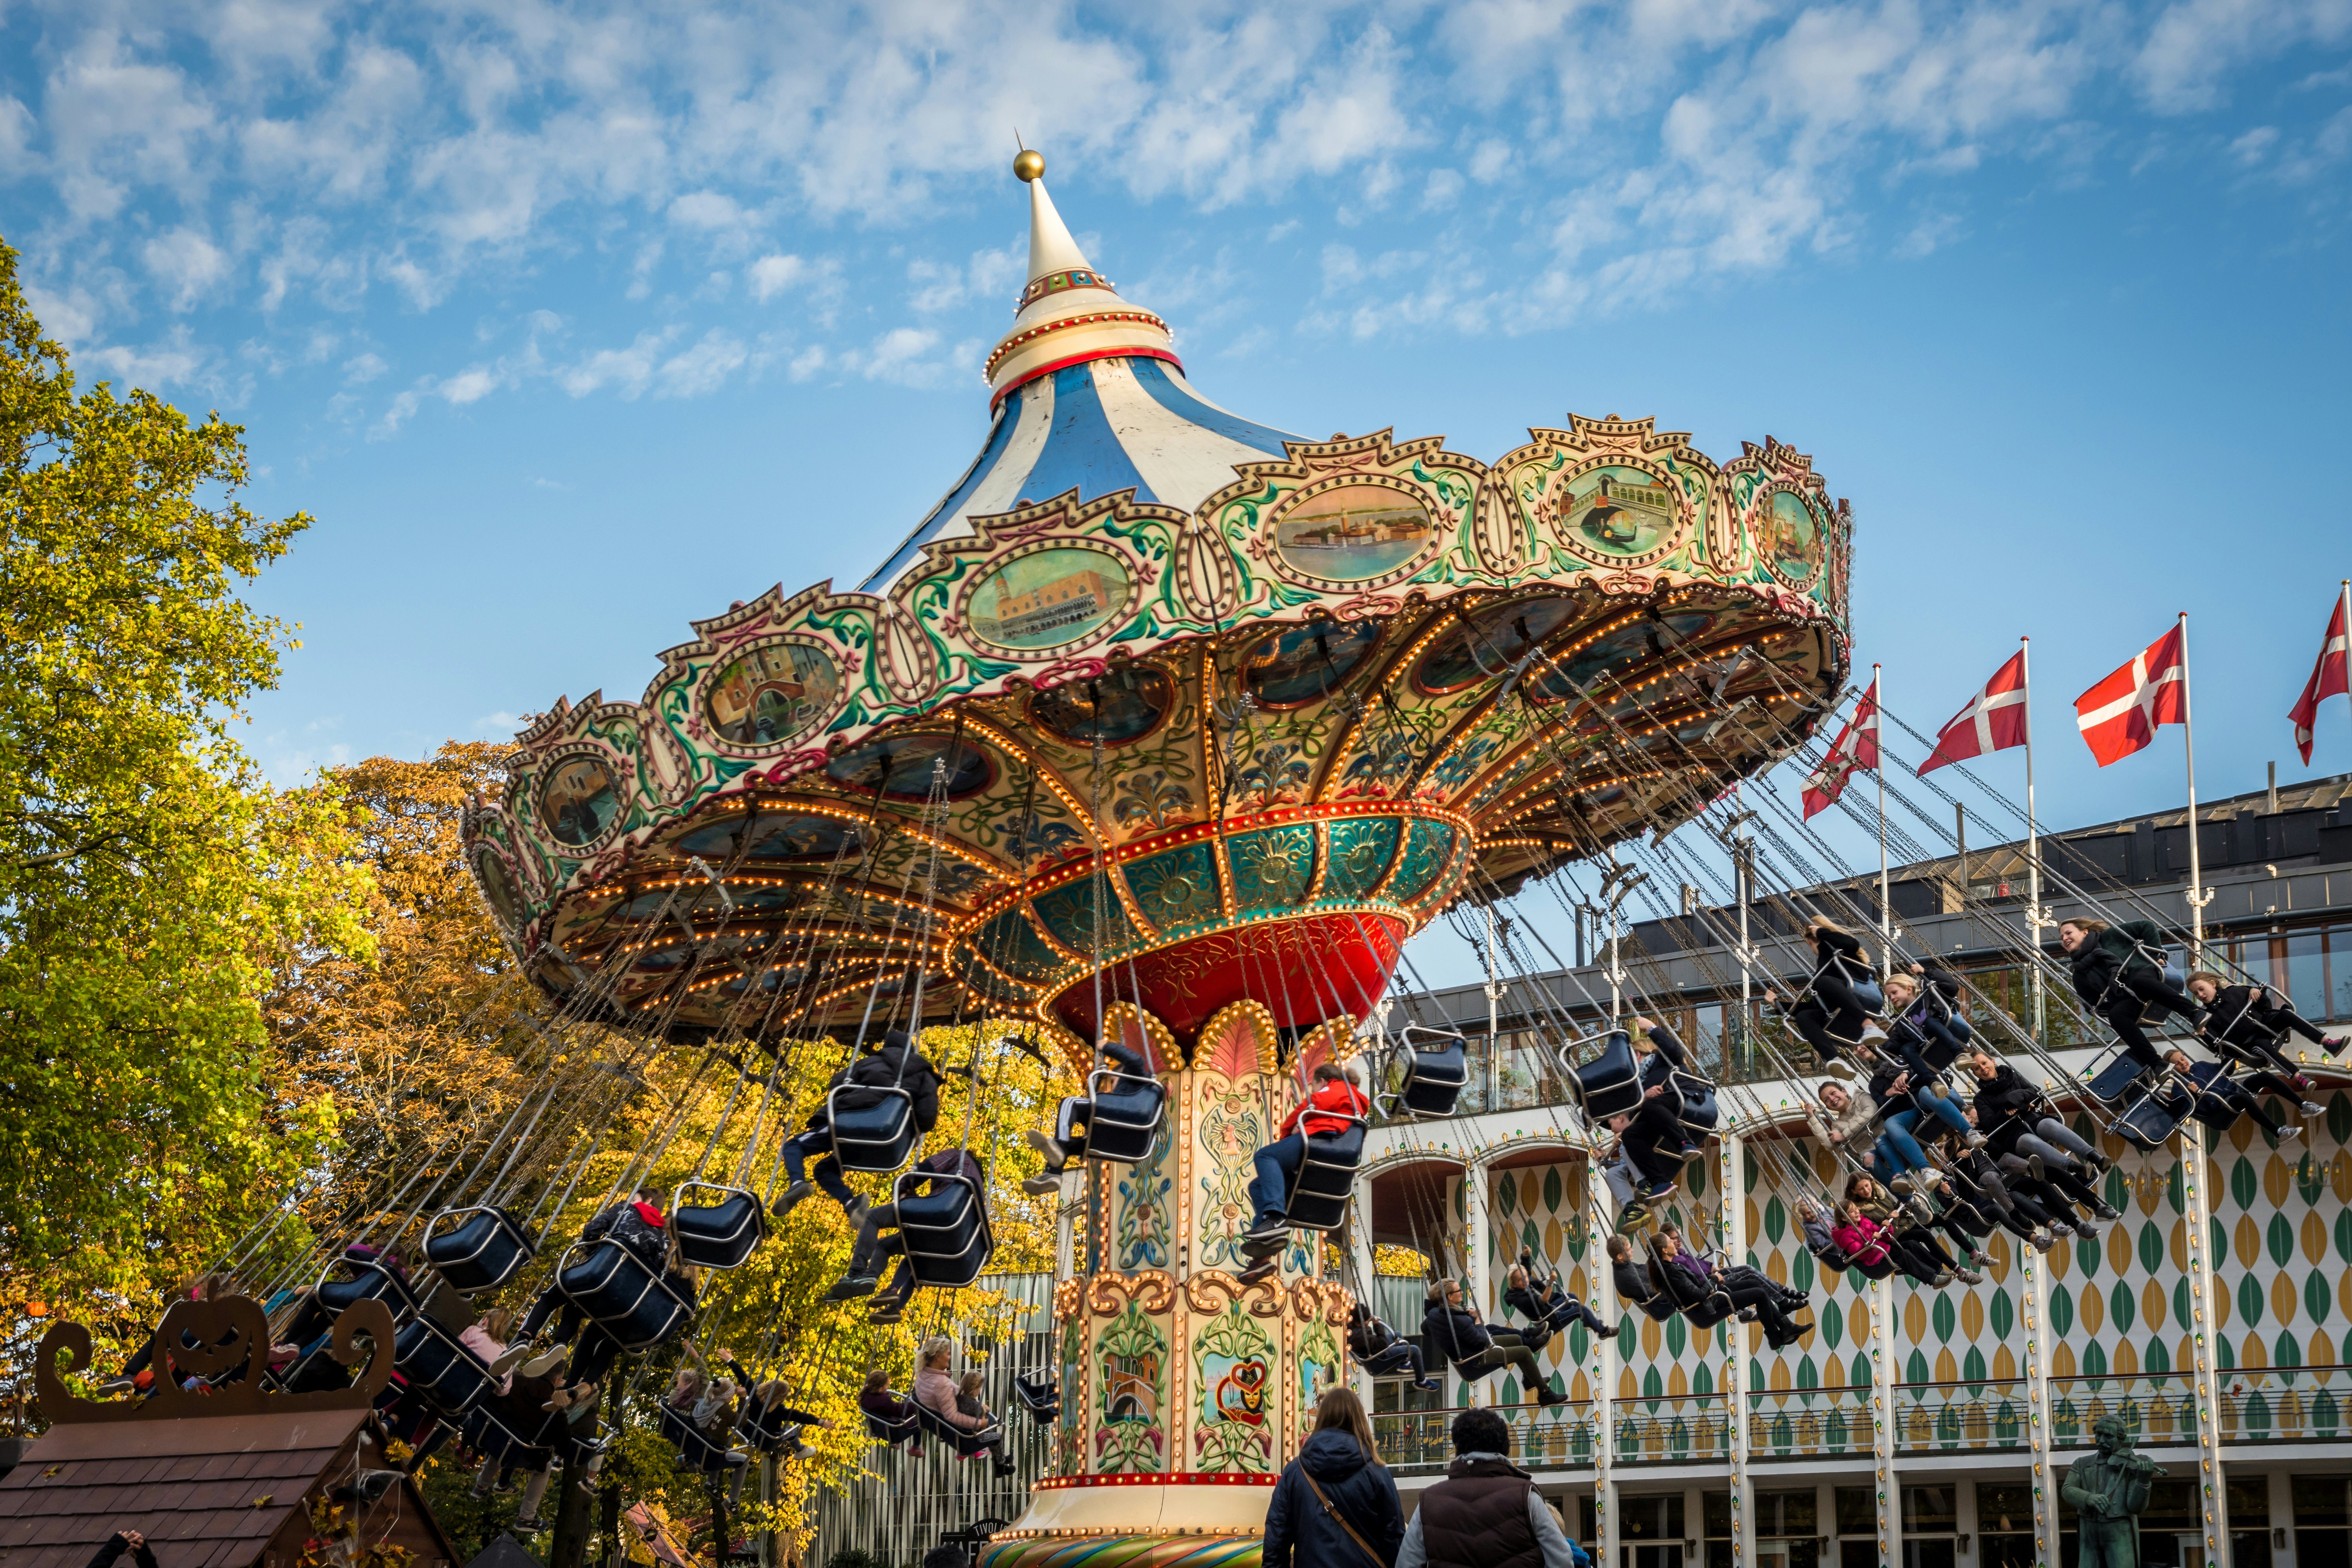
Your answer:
<point x="1153" y="1291"/>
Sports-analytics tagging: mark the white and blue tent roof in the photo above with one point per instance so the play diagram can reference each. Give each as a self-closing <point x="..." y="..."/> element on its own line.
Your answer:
<point x="1089" y="396"/>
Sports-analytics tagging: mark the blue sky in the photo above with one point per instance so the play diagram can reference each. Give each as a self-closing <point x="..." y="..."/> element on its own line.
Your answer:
<point x="569" y="323"/>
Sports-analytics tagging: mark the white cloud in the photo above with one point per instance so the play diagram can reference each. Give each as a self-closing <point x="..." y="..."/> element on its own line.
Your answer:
<point x="630" y="369"/>
<point x="772" y="275"/>
<point x="187" y="266"/>
<point x="363" y="368"/>
<point x="703" y="368"/>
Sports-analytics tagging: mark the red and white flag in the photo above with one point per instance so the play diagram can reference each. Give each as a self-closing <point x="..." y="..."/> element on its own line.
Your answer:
<point x="1855" y="751"/>
<point x="2120" y="714"/>
<point x="1994" y="720"/>
<point x="2329" y="678"/>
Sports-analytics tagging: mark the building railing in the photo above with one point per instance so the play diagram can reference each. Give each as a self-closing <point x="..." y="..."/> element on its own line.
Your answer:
<point x="1421" y="1442"/>
<point x="1808" y="1422"/>
<point x="1672" y="1430"/>
<point x="1962" y="1417"/>
<point x="2287" y="1405"/>
<point x="2160" y="1409"/>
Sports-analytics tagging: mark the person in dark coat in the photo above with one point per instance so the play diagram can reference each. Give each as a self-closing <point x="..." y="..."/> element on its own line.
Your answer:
<point x="2201" y="1087"/>
<point x="2118" y="972"/>
<point x="1486" y="1513"/>
<point x="2249" y="1023"/>
<point x="1380" y="1351"/>
<point x="1337" y="1477"/>
<point x="1451" y="1330"/>
<point x="1825" y="1011"/>
<point x="871" y="1249"/>
<point x="869" y="1076"/>
<point x="1634" y="1284"/>
<point x="1654" y="1138"/>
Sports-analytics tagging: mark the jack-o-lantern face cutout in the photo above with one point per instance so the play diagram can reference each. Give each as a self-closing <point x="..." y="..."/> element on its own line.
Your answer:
<point x="208" y="1339"/>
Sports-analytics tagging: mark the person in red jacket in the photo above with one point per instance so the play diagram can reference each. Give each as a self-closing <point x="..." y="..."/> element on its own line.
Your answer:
<point x="1326" y="1110"/>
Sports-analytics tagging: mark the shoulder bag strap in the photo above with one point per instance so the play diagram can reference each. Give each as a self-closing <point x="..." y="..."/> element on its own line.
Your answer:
<point x="1341" y="1519"/>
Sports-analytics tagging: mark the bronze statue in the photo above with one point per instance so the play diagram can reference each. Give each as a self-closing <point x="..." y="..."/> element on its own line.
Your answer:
<point x="2108" y="1490"/>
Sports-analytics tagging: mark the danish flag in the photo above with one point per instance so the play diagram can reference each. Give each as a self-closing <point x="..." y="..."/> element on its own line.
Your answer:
<point x="2120" y="714"/>
<point x="1994" y="720"/>
<point x="1855" y="751"/>
<point x="2329" y="678"/>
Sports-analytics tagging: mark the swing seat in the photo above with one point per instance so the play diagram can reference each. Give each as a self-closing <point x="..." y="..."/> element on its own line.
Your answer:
<point x="967" y="1444"/>
<point x="482" y="1249"/>
<point x="946" y="1233"/>
<point x="1123" y="1115"/>
<point x="1610" y="1084"/>
<point x="488" y="1432"/>
<point x="1700" y="1113"/>
<point x="370" y="1281"/>
<point x="771" y="1428"/>
<point x="2112" y="1077"/>
<point x="876" y="1137"/>
<point x="1834" y="1258"/>
<point x="695" y="1451"/>
<point x="624" y="1297"/>
<point x="890" y="1432"/>
<point x="1038" y="1395"/>
<point x="1433" y="1067"/>
<point x="440" y="1371"/>
<point x="719" y="1235"/>
<point x="2149" y="1121"/>
<point x="1327" y="1178"/>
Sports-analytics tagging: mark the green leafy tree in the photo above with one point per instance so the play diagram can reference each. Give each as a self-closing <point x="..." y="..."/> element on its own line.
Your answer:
<point x="153" y="886"/>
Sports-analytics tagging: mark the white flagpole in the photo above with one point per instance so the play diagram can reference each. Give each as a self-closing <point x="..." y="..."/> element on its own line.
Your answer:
<point x="2198" y="896"/>
<point x="1878" y="740"/>
<point x="2032" y="844"/>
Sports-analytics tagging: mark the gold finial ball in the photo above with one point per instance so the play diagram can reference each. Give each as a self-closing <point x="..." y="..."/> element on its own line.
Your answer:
<point x="1028" y="166"/>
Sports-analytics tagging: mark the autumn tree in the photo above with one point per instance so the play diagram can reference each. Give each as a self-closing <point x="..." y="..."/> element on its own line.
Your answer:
<point x="153" y="886"/>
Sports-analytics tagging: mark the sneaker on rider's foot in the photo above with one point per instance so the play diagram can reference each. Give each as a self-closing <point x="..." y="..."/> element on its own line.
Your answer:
<point x="1980" y="1258"/>
<point x="1547" y="1398"/>
<point x="2288" y="1134"/>
<point x="513" y="1356"/>
<point x="1041" y="1186"/>
<point x="855" y="1209"/>
<point x="2104" y="1212"/>
<point x="1837" y="1068"/>
<point x="2313" y="1107"/>
<point x="790" y="1196"/>
<point x="850" y="1286"/>
<point x="2036" y="1168"/>
<point x="547" y="1361"/>
<point x="1969" y="1277"/>
<point x="1975" y="1139"/>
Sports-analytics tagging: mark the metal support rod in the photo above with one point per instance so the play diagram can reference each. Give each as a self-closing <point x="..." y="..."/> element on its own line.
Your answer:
<point x="2198" y="1203"/>
<point x="2036" y="919"/>
<point x="1600" y="1227"/>
<point x="1732" y="1247"/>
<point x="1883" y="1374"/>
<point x="2199" y="894"/>
<point x="2037" y="1404"/>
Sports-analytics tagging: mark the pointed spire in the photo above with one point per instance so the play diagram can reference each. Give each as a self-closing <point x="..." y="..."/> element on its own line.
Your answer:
<point x="1051" y="248"/>
<point x="1068" y="312"/>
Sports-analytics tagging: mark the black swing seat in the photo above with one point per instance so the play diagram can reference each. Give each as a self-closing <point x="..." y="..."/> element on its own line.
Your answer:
<point x="2112" y="1077"/>
<point x="897" y="1431"/>
<point x="1432" y="1069"/>
<point x="491" y="1433"/>
<point x="967" y="1444"/>
<point x="439" y="1369"/>
<point x="1702" y="1309"/>
<point x="1326" y="1177"/>
<point x="721" y="1234"/>
<point x="2153" y="1117"/>
<point x="1834" y="1258"/>
<point x="370" y="1281"/>
<point x="695" y="1451"/>
<point x="482" y="1249"/>
<point x="623" y="1295"/>
<point x="873" y="1128"/>
<point x="1700" y="1113"/>
<point x="1610" y="1084"/>
<point x="771" y="1428"/>
<point x="1123" y="1115"/>
<point x="1039" y="1395"/>
<point x="945" y="1232"/>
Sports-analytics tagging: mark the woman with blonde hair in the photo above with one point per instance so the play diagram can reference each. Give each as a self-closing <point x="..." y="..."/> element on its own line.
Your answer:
<point x="1335" y="1505"/>
<point x="935" y="1391"/>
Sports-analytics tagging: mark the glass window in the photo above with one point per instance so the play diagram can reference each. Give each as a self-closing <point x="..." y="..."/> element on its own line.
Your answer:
<point x="2005" y="1527"/>
<point x="1786" y="1513"/>
<point x="1857" y="1511"/>
<point x="1716" y="1507"/>
<point x="2321" y="1516"/>
<point x="2306" y="972"/>
<point x="1927" y="1510"/>
<point x="2339" y="995"/>
<point x="2249" y="1518"/>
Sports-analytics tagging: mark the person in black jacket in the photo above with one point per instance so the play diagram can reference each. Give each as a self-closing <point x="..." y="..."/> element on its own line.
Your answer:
<point x="1652" y="1138"/>
<point x="2249" y="1023"/>
<point x="871" y="1249"/>
<point x="2201" y="1085"/>
<point x="1451" y="1330"/>
<point x="893" y="1064"/>
<point x="1335" y="1504"/>
<point x="1825" y="1010"/>
<point x="1380" y="1351"/>
<point x="1634" y="1284"/>
<point x="1539" y="1297"/>
<point x="2120" y="971"/>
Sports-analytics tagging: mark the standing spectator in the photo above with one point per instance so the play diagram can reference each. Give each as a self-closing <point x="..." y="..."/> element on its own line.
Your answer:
<point x="1486" y="1513"/>
<point x="1335" y="1505"/>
